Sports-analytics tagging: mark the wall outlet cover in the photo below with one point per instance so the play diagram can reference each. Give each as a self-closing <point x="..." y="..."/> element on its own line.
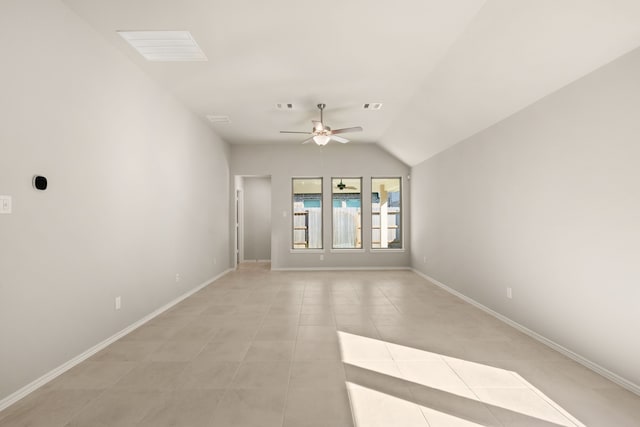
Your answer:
<point x="5" y="204"/>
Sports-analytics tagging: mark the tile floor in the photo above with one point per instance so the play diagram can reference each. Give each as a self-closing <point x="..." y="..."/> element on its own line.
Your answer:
<point x="378" y="348"/>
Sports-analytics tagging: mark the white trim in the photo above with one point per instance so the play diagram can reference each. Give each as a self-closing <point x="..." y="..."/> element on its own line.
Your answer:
<point x="347" y="250"/>
<point x="240" y="219"/>
<point x="622" y="382"/>
<point x="237" y="192"/>
<point x="339" y="268"/>
<point x="386" y="250"/>
<point x="306" y="251"/>
<point x="36" y="384"/>
<point x="403" y="209"/>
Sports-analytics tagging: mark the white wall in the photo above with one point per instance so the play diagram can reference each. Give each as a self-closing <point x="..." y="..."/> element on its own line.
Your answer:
<point x="283" y="162"/>
<point x="131" y="201"/>
<point x="257" y="218"/>
<point x="546" y="202"/>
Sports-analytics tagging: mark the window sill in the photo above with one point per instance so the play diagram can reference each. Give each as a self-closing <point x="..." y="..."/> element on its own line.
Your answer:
<point x="306" y="251"/>
<point x="386" y="250"/>
<point x="347" y="251"/>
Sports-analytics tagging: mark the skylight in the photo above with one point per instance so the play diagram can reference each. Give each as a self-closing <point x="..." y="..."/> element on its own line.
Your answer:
<point x="164" y="45"/>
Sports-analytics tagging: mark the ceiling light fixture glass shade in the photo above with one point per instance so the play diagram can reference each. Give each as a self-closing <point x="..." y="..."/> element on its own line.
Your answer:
<point x="321" y="139"/>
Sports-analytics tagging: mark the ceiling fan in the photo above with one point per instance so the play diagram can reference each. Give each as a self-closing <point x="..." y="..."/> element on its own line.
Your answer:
<point x="322" y="133"/>
<point x="342" y="186"/>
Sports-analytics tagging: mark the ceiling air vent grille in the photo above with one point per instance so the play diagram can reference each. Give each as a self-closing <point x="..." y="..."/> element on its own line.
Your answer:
<point x="372" y="106"/>
<point x="218" y="120"/>
<point x="164" y="45"/>
<point x="284" y="106"/>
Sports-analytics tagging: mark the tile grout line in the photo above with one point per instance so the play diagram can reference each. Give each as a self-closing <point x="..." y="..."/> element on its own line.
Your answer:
<point x="484" y="404"/>
<point x="395" y="362"/>
<point x="295" y="346"/>
<point x="344" y="372"/>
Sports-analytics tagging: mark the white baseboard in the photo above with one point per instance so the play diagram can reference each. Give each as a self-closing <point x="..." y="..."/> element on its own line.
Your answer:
<point x="34" y="385"/>
<point x="632" y="387"/>
<point x="339" y="268"/>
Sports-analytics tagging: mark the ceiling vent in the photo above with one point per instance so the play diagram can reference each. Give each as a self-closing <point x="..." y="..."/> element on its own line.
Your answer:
<point x="164" y="45"/>
<point x="284" y="106"/>
<point x="218" y="120"/>
<point x="372" y="106"/>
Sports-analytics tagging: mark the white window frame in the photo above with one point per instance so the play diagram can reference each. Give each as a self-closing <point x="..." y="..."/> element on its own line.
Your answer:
<point x="402" y="226"/>
<point x="354" y="249"/>
<point x="292" y="247"/>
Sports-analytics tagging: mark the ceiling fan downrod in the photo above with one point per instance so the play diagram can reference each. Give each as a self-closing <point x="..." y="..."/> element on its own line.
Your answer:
<point x="321" y="107"/>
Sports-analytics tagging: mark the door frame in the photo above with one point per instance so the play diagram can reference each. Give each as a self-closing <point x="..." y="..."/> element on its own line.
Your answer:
<point x="238" y="255"/>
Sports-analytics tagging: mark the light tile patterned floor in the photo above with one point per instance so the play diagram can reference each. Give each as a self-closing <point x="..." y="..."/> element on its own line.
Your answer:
<point x="377" y="348"/>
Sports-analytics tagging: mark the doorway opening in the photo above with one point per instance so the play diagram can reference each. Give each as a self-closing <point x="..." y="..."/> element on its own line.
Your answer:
<point x="253" y="222"/>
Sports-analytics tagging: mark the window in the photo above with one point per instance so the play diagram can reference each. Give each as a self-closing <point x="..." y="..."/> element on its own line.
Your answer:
<point x="307" y="213"/>
<point x="386" y="215"/>
<point x="346" y="200"/>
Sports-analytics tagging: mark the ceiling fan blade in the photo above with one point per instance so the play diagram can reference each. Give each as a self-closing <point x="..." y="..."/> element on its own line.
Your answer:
<point x="307" y="140"/>
<point x="345" y="130"/>
<point x="293" y="131"/>
<point x="339" y="139"/>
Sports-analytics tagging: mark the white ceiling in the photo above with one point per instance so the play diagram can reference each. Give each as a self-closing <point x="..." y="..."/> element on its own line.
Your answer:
<point x="444" y="69"/>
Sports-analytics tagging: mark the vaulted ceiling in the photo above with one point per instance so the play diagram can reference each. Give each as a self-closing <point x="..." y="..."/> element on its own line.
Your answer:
<point x="443" y="70"/>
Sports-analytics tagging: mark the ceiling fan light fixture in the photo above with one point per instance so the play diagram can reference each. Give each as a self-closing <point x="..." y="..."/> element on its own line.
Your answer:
<point x="322" y="134"/>
<point x="321" y="139"/>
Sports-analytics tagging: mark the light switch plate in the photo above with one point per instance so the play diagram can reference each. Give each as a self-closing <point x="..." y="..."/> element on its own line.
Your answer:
<point x="5" y="204"/>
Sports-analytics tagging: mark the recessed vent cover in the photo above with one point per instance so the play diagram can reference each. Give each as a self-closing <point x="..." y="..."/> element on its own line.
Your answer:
<point x="284" y="106"/>
<point x="218" y="120"/>
<point x="372" y="106"/>
<point x="164" y="45"/>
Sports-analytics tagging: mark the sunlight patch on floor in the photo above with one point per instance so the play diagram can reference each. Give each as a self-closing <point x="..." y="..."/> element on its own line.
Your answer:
<point x="413" y="387"/>
<point x="375" y="408"/>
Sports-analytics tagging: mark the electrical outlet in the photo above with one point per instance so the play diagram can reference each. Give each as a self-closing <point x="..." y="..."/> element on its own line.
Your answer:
<point x="215" y="261"/>
<point x="118" y="303"/>
<point x="322" y="257"/>
<point x="178" y="277"/>
<point x="509" y="293"/>
<point x="424" y="259"/>
<point x="5" y="204"/>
